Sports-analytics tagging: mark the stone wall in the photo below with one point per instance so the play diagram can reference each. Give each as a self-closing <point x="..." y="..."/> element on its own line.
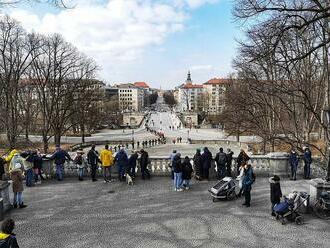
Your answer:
<point x="132" y="119"/>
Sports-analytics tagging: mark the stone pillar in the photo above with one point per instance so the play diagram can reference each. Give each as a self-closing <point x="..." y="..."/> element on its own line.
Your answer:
<point x="4" y="194"/>
<point x="317" y="186"/>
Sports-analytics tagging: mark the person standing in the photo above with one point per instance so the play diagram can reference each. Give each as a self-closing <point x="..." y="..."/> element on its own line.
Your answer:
<point x="177" y="168"/>
<point x="240" y="179"/>
<point x="132" y="163"/>
<point x="294" y="161"/>
<point x="122" y="163"/>
<point x="37" y="166"/>
<point x="275" y="191"/>
<point x="27" y="158"/>
<point x="16" y="176"/>
<point x="229" y="154"/>
<point x="308" y="161"/>
<point x="221" y="160"/>
<point x="206" y="160"/>
<point x="2" y="167"/>
<point x="144" y="161"/>
<point x="107" y="161"/>
<point x="7" y="237"/>
<point x="60" y="156"/>
<point x="80" y="162"/>
<point x="198" y="164"/>
<point x="242" y="159"/>
<point x="173" y="154"/>
<point x="93" y="160"/>
<point x="187" y="171"/>
<point x="247" y="184"/>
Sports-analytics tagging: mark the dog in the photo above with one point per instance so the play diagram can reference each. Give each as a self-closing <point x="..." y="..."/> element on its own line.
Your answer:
<point x="129" y="179"/>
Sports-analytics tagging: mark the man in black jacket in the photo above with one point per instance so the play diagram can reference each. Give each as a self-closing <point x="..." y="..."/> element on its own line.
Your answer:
<point x="221" y="160"/>
<point x="144" y="161"/>
<point x="93" y="160"/>
<point x="60" y="156"/>
<point x="229" y="154"/>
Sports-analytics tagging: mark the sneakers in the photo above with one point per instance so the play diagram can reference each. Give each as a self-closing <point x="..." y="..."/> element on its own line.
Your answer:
<point x="179" y="190"/>
<point x="15" y="205"/>
<point x="186" y="188"/>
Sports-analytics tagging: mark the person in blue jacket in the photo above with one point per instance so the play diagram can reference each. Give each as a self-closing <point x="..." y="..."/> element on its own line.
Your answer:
<point x="247" y="184"/>
<point x="122" y="163"/>
<point x="59" y="157"/>
<point x="308" y="161"/>
<point x="294" y="161"/>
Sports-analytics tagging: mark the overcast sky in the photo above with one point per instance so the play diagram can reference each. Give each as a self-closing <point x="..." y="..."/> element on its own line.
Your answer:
<point x="156" y="41"/>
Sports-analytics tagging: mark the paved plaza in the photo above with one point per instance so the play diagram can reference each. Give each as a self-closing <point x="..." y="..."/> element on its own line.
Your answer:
<point x="149" y="214"/>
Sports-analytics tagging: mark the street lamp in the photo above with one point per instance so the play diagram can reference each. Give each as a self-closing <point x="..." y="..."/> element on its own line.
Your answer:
<point x="327" y="119"/>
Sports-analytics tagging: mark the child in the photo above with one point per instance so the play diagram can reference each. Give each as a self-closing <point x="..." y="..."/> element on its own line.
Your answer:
<point x="275" y="191"/>
<point x="80" y="162"/>
<point x="187" y="171"/>
<point x="17" y="177"/>
<point x="7" y="237"/>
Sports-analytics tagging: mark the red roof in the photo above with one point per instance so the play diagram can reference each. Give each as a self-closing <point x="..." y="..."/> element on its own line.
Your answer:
<point x="141" y="84"/>
<point x="192" y="86"/>
<point x="218" y="81"/>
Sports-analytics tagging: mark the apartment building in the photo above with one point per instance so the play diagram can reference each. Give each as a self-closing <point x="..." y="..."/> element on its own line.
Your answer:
<point x="215" y="90"/>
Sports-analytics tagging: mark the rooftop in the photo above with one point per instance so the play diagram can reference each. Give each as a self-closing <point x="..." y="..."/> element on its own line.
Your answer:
<point x="142" y="85"/>
<point x="218" y="81"/>
<point x="150" y="214"/>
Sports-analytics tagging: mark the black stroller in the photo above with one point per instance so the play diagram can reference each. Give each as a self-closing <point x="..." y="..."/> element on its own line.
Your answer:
<point x="224" y="189"/>
<point x="291" y="207"/>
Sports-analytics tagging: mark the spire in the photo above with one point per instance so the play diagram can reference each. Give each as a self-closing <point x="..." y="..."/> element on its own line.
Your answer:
<point x="189" y="78"/>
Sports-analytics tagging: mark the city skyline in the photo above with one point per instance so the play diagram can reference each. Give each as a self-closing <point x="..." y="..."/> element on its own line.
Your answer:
<point x="157" y="42"/>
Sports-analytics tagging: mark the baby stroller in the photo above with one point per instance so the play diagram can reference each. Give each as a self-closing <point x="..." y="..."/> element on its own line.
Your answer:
<point x="291" y="207"/>
<point x="224" y="189"/>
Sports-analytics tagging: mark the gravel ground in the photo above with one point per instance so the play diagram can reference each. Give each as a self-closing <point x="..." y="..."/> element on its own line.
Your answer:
<point x="150" y="214"/>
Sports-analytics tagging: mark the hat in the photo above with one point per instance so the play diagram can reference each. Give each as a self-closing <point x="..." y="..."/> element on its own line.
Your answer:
<point x="17" y="166"/>
<point x="276" y="178"/>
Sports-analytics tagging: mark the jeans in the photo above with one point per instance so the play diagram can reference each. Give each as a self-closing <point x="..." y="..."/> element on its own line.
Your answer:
<point x="107" y="173"/>
<point x="59" y="172"/>
<point x="18" y="198"/>
<point x="247" y="194"/>
<point x="186" y="183"/>
<point x="121" y="170"/>
<point x="307" y="170"/>
<point x="132" y="170"/>
<point x="221" y="169"/>
<point x="177" y="180"/>
<point x="29" y="177"/>
<point x="80" y="173"/>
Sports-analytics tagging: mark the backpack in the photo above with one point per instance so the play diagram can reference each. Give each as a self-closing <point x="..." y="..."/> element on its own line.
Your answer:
<point x="222" y="159"/>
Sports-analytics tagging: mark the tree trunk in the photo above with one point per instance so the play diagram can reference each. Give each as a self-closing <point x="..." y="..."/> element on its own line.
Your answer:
<point x="82" y="127"/>
<point x="45" y="143"/>
<point x="57" y="138"/>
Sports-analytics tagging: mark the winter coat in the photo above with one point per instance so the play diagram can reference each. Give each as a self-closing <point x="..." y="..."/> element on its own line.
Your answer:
<point x="275" y="191"/>
<point x="16" y="176"/>
<point x="294" y="160"/>
<point x="177" y="165"/>
<point x="132" y="160"/>
<point x="198" y="164"/>
<point x="93" y="157"/>
<point x="37" y="162"/>
<point x="144" y="160"/>
<point x="207" y="159"/>
<point x="308" y="157"/>
<point x="8" y="240"/>
<point x="229" y="158"/>
<point x="221" y="159"/>
<point x="60" y="157"/>
<point x="187" y="170"/>
<point x="16" y="159"/>
<point x="121" y="158"/>
<point x="106" y="158"/>
<point x="248" y="179"/>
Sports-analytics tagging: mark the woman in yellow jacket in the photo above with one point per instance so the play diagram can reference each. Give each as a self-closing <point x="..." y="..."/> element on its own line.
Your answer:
<point x="107" y="161"/>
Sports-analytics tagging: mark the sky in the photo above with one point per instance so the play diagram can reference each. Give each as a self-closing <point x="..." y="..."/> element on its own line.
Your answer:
<point x="155" y="41"/>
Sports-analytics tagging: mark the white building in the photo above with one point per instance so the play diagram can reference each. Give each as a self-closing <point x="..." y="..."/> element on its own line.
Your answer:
<point x="215" y="90"/>
<point x="131" y="98"/>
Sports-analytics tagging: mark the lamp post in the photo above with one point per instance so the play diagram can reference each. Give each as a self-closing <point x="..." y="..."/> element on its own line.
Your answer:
<point x="327" y="119"/>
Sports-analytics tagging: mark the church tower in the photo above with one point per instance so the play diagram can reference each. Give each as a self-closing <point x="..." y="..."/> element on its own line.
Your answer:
<point x="189" y="81"/>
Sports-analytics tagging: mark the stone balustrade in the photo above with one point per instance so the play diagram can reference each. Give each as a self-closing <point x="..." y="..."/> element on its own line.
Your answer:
<point x="263" y="165"/>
